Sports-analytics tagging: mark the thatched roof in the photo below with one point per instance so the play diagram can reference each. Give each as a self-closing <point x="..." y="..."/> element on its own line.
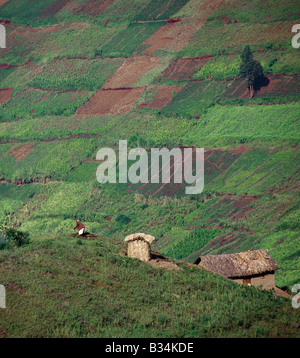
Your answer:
<point x="140" y="236"/>
<point x="241" y="264"/>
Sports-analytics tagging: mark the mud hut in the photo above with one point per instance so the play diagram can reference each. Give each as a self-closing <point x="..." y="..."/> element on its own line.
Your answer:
<point x="139" y="246"/>
<point x="256" y="267"/>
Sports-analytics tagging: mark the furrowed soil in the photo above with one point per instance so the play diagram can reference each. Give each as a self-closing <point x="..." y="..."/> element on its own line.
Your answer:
<point x="184" y="68"/>
<point x="111" y="101"/>
<point x="94" y="7"/>
<point x="162" y="98"/>
<point x="22" y="151"/>
<point x="174" y="36"/>
<point x="5" y="94"/>
<point x="132" y="70"/>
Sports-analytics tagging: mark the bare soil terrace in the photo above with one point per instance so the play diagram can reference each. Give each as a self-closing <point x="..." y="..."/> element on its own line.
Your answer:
<point x="21" y="152"/>
<point x="184" y="68"/>
<point x="111" y="101"/>
<point x="131" y="70"/>
<point x="162" y="98"/>
<point x="5" y="94"/>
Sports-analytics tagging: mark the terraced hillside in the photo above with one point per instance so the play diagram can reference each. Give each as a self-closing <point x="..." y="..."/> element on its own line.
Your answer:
<point x="78" y="76"/>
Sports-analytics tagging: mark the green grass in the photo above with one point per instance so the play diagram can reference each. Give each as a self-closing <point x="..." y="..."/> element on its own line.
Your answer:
<point x="75" y="74"/>
<point x="84" y="173"/>
<point x="128" y="40"/>
<point x="120" y="11"/>
<point x="257" y="11"/>
<point x="5" y="72"/>
<point x="73" y="40"/>
<point x="136" y="127"/>
<point x="52" y="159"/>
<point x="220" y="68"/>
<point x="34" y="102"/>
<point x="48" y="275"/>
<point x="24" y="10"/>
<point x="55" y="127"/>
<point x="258" y="170"/>
<point x="284" y="248"/>
<point x="159" y="9"/>
<point x="13" y="198"/>
<point x="223" y="125"/>
<point x="195" y="98"/>
<point x="190" y="243"/>
<point x="216" y="38"/>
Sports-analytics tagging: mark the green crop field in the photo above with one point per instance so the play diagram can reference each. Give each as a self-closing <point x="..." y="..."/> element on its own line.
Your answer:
<point x="257" y="10"/>
<point x="157" y="10"/>
<point x="78" y="76"/>
<point x="75" y="74"/>
<point x="54" y="159"/>
<point x="35" y="102"/>
<point x="224" y="125"/>
<point x="126" y="41"/>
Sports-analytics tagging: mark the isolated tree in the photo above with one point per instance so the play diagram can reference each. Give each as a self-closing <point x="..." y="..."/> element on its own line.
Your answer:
<point x="251" y="69"/>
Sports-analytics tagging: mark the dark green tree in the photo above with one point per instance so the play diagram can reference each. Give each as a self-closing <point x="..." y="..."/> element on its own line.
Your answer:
<point x="251" y="69"/>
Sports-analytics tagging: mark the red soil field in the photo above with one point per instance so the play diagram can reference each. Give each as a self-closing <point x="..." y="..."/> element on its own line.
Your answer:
<point x="184" y="68"/>
<point x="111" y="101"/>
<point x="174" y="36"/>
<point x="132" y="69"/>
<point x="5" y="94"/>
<point x="171" y="36"/>
<point x="6" y="65"/>
<point x="54" y="8"/>
<point x="171" y="189"/>
<point x="216" y="161"/>
<point x="22" y="151"/>
<point x="94" y="7"/>
<point x="163" y="97"/>
<point x="279" y="85"/>
<point x="241" y="149"/>
<point x="244" y="200"/>
<point x="2" y="2"/>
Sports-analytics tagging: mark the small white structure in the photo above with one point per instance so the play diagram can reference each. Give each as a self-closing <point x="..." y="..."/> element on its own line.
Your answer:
<point x="139" y="246"/>
<point x="2" y="297"/>
<point x="2" y="37"/>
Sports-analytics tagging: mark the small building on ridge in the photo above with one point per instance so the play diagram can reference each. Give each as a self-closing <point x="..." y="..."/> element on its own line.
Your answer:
<point x="139" y="246"/>
<point x="256" y="267"/>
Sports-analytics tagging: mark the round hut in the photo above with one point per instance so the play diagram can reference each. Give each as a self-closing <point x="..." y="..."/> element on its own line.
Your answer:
<point x="139" y="246"/>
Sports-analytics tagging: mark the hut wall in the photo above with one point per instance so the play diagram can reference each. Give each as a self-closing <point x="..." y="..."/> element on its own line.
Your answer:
<point x="139" y="249"/>
<point x="267" y="281"/>
<point x="238" y="280"/>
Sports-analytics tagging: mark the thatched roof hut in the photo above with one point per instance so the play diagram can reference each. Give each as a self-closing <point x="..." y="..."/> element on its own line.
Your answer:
<point x="139" y="246"/>
<point x="253" y="267"/>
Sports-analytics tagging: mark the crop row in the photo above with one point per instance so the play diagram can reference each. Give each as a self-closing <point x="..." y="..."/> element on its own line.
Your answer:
<point x="241" y="124"/>
<point x="33" y="102"/>
<point x="75" y="74"/>
<point x="256" y="11"/>
<point x="159" y="9"/>
<point x="258" y="170"/>
<point x="217" y="38"/>
<point x="125" y="43"/>
<point x="44" y="160"/>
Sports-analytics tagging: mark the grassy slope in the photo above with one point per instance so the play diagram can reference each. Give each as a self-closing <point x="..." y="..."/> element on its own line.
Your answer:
<point x="63" y="48"/>
<point x="81" y="288"/>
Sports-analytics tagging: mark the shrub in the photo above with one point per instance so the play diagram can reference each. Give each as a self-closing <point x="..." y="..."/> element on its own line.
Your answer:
<point x="19" y="238"/>
<point x="123" y="219"/>
<point x="3" y="243"/>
